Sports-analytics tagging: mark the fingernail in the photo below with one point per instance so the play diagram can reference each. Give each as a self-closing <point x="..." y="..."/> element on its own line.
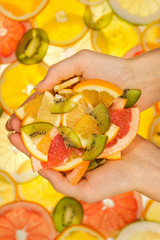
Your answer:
<point x="9" y="121"/>
<point x="38" y="84"/>
<point x="42" y="174"/>
<point x="8" y="135"/>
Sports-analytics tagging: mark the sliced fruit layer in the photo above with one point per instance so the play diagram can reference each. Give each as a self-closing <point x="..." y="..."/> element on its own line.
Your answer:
<point x="140" y="230"/>
<point x="132" y="96"/>
<point x="91" y="2"/>
<point x="95" y="146"/>
<point x="8" y="189"/>
<point x="118" y="103"/>
<point x="58" y="21"/>
<point x="62" y="105"/>
<point x="115" y="156"/>
<point x="112" y="132"/>
<point x="151" y="37"/>
<point x="67" y="212"/>
<point x="40" y="191"/>
<point x="79" y="232"/>
<point x="32" y="47"/>
<point x="152" y="211"/>
<point x="112" y="214"/>
<point x="66" y="93"/>
<point x="154" y="131"/>
<point x="66" y="84"/>
<point x="157" y="106"/>
<point x="21" y="10"/>
<point x="26" y="220"/>
<point x="117" y="38"/>
<point x="12" y="97"/>
<point x="136" y="11"/>
<point x="70" y="138"/>
<point x="128" y="121"/>
<point x="96" y="163"/>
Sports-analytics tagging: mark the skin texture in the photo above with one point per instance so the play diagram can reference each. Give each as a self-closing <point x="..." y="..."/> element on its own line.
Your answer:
<point x="139" y="168"/>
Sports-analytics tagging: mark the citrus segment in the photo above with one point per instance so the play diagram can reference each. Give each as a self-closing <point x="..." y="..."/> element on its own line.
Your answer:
<point x="117" y="38"/>
<point x="80" y="232"/>
<point x="66" y="84"/>
<point x="112" y="214"/>
<point x="66" y="92"/>
<point x="8" y="189"/>
<point x="112" y="132"/>
<point x="12" y="97"/>
<point x="21" y="10"/>
<point x="154" y="132"/>
<point x="26" y="220"/>
<point x="62" y="24"/>
<point x="139" y="231"/>
<point x="136" y="11"/>
<point x="119" y="103"/>
<point x="75" y="175"/>
<point x="151" y="37"/>
<point x="115" y="156"/>
<point x="157" y="106"/>
<point x="128" y="121"/>
<point x="10" y="158"/>
<point x="152" y="211"/>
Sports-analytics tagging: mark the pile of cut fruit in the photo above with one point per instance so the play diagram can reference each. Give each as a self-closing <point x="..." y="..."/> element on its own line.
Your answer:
<point x="78" y="129"/>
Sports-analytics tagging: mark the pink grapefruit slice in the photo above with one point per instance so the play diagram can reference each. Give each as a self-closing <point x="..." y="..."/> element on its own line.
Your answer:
<point x="112" y="214"/>
<point x="26" y="220"/>
<point x="128" y="121"/>
<point x="10" y="34"/>
<point x="135" y="51"/>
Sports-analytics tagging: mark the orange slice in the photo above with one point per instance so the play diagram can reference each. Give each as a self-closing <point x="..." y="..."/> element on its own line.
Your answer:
<point x="157" y="106"/>
<point x="14" y="91"/>
<point x="66" y="93"/>
<point x="21" y="10"/>
<point x="117" y="38"/>
<point x="8" y="189"/>
<point x="64" y="25"/>
<point x="154" y="132"/>
<point x="151" y="36"/>
<point x="79" y="232"/>
<point x="152" y="211"/>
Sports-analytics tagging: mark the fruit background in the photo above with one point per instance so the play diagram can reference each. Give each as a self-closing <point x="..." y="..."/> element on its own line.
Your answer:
<point x="71" y="25"/>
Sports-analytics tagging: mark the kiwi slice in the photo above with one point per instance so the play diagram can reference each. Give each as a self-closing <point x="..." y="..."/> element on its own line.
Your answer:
<point x="37" y="129"/>
<point x="96" y="163"/>
<point x="71" y="139"/>
<point x="67" y="212"/>
<point x="101" y="23"/>
<point x="95" y="146"/>
<point x="132" y="96"/>
<point x="101" y="115"/>
<point x="32" y="47"/>
<point x="62" y="105"/>
<point x="1" y="111"/>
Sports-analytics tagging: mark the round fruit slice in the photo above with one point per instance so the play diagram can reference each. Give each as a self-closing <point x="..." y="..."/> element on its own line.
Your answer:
<point x="117" y="38"/>
<point x="98" y="91"/>
<point x="26" y="220"/>
<point x="154" y="132"/>
<point x="21" y="10"/>
<point x="80" y="232"/>
<point x="91" y="2"/>
<point x="112" y="214"/>
<point x="136" y="11"/>
<point x="151" y="37"/>
<point x="140" y="230"/>
<point x="152" y="211"/>
<point x="58" y="21"/>
<point x="32" y="47"/>
<point x="10" y="158"/>
<point x="66" y="84"/>
<point x="128" y="121"/>
<point x="40" y="191"/>
<point x="132" y="96"/>
<point x="135" y="51"/>
<point x="67" y="212"/>
<point x="157" y="106"/>
<point x="8" y="189"/>
<point x="11" y="32"/>
<point x="98" y="17"/>
<point x="12" y="97"/>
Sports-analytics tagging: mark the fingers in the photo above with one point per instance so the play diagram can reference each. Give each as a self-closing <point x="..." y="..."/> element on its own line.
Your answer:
<point x="16" y="140"/>
<point x="14" y="124"/>
<point x="70" y="67"/>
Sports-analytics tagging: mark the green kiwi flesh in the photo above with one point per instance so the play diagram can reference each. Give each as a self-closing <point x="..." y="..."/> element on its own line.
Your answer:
<point x="96" y="163"/>
<point x="132" y="96"/>
<point x="37" y="129"/>
<point x="71" y="139"/>
<point x="67" y="212"/>
<point x="62" y="105"/>
<point x="32" y="47"/>
<point x="95" y="146"/>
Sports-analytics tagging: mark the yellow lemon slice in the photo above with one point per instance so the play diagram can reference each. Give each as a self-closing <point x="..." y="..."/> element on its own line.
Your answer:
<point x="79" y="232"/>
<point x="10" y="158"/>
<point x="40" y="191"/>
<point x="17" y="83"/>
<point x="21" y="10"/>
<point x="8" y="189"/>
<point x="117" y="38"/>
<point x="63" y="21"/>
<point x="152" y="211"/>
<point x="151" y="36"/>
<point x="137" y="11"/>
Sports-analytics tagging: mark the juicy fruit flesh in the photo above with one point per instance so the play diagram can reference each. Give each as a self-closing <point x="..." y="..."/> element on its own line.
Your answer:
<point x="67" y="212"/>
<point x="62" y="105"/>
<point x="132" y="96"/>
<point x="37" y="129"/>
<point x="70" y="138"/>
